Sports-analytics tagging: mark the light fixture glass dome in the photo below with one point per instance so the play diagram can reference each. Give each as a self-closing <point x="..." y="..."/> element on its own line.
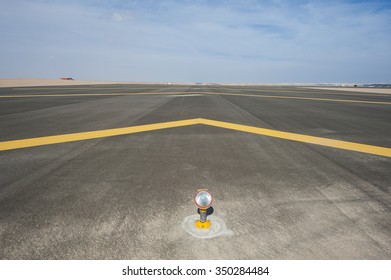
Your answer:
<point x="203" y="199"/>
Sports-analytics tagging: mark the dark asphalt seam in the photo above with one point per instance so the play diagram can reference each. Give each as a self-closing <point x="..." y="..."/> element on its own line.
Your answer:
<point x="296" y="129"/>
<point x="239" y="108"/>
<point x="154" y="108"/>
<point x="97" y="98"/>
<point x="58" y="106"/>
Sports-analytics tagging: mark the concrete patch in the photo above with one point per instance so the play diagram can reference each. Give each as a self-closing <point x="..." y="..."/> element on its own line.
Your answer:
<point x="217" y="228"/>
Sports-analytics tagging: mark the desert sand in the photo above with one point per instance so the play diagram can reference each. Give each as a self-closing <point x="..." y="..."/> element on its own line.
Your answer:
<point x="27" y="82"/>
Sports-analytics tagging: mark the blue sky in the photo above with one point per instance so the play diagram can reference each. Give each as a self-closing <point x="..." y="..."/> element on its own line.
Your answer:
<point x="197" y="41"/>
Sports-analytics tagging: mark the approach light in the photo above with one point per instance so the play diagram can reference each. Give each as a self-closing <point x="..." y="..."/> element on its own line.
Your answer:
<point x="203" y="199"/>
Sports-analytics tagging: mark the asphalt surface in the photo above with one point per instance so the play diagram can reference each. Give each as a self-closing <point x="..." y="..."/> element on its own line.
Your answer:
<point x="124" y="197"/>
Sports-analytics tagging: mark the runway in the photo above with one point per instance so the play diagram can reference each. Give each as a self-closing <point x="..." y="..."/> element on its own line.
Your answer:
<point x="109" y="171"/>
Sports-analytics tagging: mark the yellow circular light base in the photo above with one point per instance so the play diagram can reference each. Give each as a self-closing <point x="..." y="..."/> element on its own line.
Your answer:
<point x="203" y="225"/>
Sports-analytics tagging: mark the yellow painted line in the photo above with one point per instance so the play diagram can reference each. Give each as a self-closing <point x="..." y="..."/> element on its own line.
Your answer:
<point x="194" y="92"/>
<point x="84" y="94"/>
<point x="305" y="98"/>
<point x="320" y="91"/>
<point x="348" y="93"/>
<point x="345" y="145"/>
<point x="64" y="138"/>
<point x="61" y="95"/>
<point x="120" y="86"/>
<point x="92" y="94"/>
<point x="57" y="88"/>
<point x="88" y="87"/>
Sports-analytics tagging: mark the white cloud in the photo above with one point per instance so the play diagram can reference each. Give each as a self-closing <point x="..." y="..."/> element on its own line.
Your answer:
<point x="121" y="16"/>
<point x="117" y="16"/>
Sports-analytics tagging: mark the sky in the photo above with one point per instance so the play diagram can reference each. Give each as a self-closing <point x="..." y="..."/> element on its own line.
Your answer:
<point x="246" y="41"/>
